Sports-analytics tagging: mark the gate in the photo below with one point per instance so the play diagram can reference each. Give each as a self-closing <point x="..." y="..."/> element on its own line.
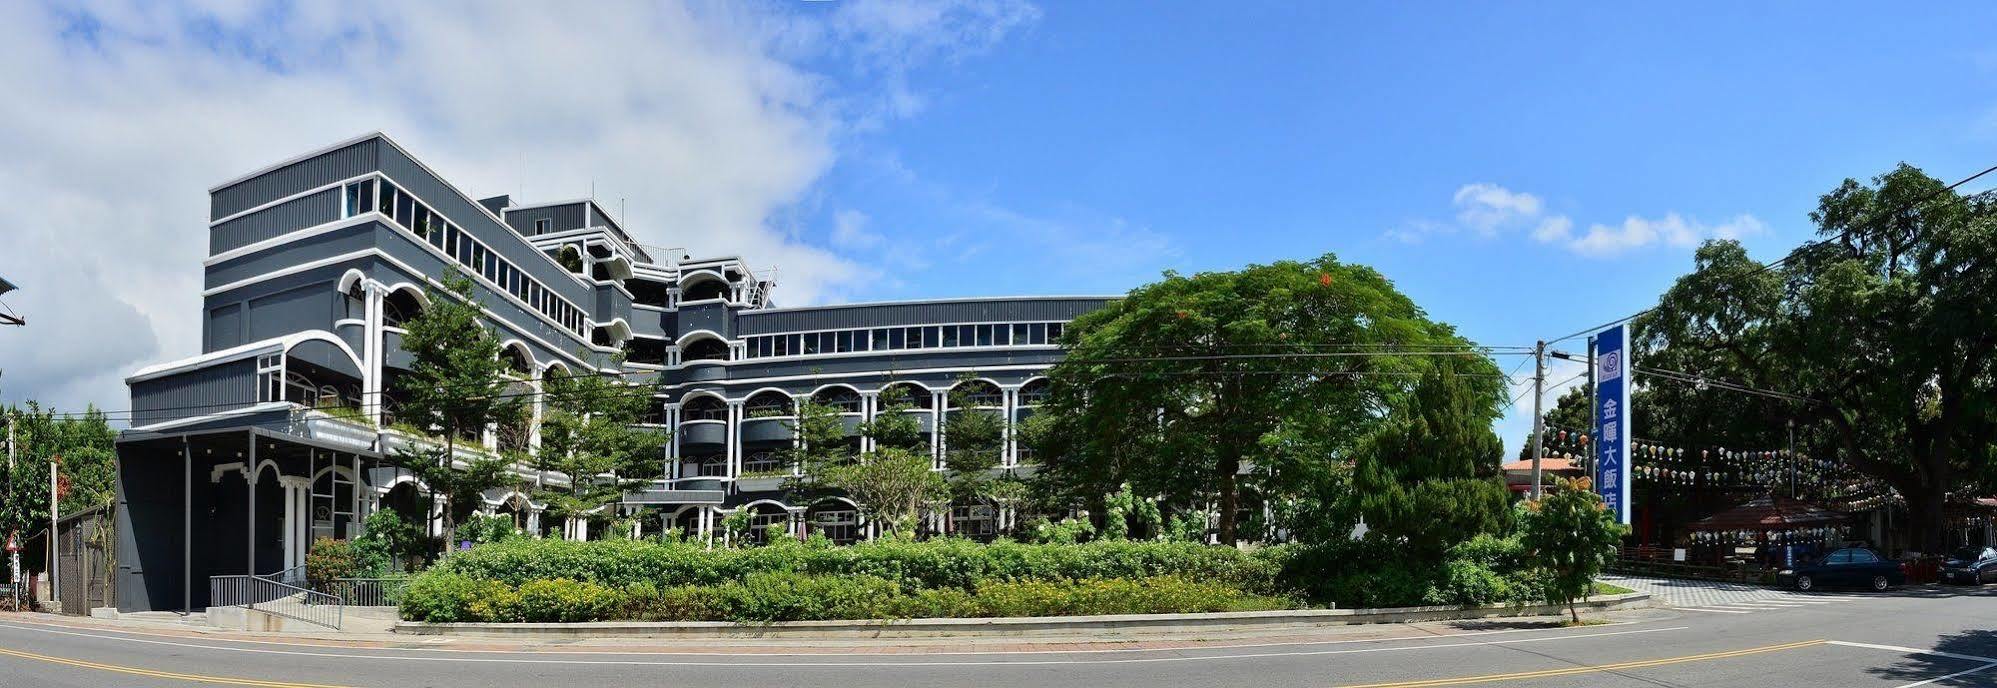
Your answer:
<point x="86" y="549"/>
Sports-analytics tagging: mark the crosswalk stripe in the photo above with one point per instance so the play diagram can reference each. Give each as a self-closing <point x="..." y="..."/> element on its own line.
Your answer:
<point x="1717" y="611"/>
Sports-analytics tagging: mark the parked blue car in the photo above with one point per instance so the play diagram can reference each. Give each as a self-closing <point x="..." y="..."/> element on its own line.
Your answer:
<point x="1971" y="565"/>
<point x="1850" y="567"/>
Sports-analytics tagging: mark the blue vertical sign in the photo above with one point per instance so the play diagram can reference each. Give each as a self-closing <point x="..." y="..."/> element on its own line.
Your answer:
<point x="1612" y="427"/>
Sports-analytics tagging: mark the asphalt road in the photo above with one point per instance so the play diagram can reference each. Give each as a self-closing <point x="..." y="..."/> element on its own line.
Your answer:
<point x="1911" y="637"/>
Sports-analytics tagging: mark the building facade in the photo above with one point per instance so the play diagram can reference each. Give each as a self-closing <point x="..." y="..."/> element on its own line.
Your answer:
<point x="277" y="432"/>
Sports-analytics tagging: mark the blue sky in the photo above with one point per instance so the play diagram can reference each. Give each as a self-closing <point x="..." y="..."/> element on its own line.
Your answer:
<point x="1522" y="170"/>
<point x="1228" y="136"/>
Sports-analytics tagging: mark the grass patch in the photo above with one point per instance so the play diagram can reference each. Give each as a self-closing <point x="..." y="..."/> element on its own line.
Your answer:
<point x="1608" y="589"/>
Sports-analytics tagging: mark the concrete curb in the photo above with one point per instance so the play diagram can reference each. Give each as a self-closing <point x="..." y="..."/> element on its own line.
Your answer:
<point x="1011" y="626"/>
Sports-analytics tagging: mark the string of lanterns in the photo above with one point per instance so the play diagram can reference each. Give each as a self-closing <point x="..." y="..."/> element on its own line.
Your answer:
<point x="1659" y="467"/>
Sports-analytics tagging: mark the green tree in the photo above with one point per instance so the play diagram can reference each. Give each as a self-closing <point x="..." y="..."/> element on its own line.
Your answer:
<point x="892" y="486"/>
<point x="974" y="446"/>
<point x="87" y="473"/>
<point x="1427" y="478"/>
<point x="589" y="432"/>
<point x="456" y="387"/>
<point x="1180" y="384"/>
<point x="893" y="426"/>
<point x="1571" y="534"/>
<point x="1883" y="327"/>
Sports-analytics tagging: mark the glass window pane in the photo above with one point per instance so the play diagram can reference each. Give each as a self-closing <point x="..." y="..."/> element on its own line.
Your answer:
<point x="1036" y="333"/>
<point x="949" y="337"/>
<point x="350" y="204"/>
<point x="984" y="335"/>
<point x="1001" y="335"/>
<point x="881" y="340"/>
<point x="811" y="344"/>
<point x="405" y="208"/>
<point x="845" y="342"/>
<point x="932" y="337"/>
<point x="385" y="202"/>
<point x="1053" y="333"/>
<point x="895" y="340"/>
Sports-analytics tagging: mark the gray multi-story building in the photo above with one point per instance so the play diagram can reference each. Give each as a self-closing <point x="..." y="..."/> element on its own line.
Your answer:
<point x="277" y="433"/>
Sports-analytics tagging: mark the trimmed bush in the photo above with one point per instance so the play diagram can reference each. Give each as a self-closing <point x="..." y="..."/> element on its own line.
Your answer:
<point x="442" y="596"/>
<point x="1371" y="573"/>
<point x="939" y="563"/>
<point x="767" y="597"/>
<point x="565" y="600"/>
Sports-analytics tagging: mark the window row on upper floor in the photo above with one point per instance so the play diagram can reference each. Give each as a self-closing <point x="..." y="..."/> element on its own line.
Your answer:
<point x="431" y="227"/>
<point x="903" y="338"/>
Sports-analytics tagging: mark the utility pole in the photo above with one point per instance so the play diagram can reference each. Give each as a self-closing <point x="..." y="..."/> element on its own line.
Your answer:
<point x="1589" y="394"/>
<point x="13" y="550"/>
<point x="54" y="565"/>
<point x="1538" y="420"/>
<point x="1792" y="458"/>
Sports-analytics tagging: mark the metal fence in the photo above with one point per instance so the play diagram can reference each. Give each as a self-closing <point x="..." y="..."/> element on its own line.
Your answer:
<point x="270" y="595"/>
<point x="366" y="592"/>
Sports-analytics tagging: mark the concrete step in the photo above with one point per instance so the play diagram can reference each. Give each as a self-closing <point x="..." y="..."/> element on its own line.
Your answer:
<point x="194" y="619"/>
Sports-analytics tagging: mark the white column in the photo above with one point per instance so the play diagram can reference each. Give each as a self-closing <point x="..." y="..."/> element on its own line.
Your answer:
<point x="372" y="352"/>
<point x="533" y="522"/>
<point x="734" y="439"/>
<point x="1006" y="457"/>
<point x="534" y="422"/>
<point x="436" y="526"/>
<point x="673" y="446"/>
<point x="796" y="438"/>
<point x="937" y="402"/>
<point x="870" y="405"/>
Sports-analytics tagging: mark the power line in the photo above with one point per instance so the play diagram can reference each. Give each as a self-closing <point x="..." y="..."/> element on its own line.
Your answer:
<point x="1792" y="255"/>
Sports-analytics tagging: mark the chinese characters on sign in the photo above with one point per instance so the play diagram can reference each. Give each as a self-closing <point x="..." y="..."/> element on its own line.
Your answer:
<point x="1612" y="426"/>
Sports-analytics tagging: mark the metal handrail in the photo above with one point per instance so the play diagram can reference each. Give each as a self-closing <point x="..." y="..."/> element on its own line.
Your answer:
<point x="266" y="594"/>
<point x="291" y="576"/>
<point x="367" y="592"/>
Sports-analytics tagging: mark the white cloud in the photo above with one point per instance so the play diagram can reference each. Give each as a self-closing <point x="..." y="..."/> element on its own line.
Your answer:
<point x="1636" y="232"/>
<point x="706" y="122"/>
<point x="1487" y="207"/>
<point x="1489" y="210"/>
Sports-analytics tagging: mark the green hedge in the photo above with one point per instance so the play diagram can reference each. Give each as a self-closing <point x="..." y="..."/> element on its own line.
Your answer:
<point x="1369" y="573"/>
<point x="932" y="564"/>
<point x="788" y="596"/>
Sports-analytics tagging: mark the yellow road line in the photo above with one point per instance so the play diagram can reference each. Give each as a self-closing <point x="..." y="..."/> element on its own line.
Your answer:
<point x="1586" y="669"/>
<point x="223" y="680"/>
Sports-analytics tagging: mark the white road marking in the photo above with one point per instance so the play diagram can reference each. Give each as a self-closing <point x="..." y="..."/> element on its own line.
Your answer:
<point x="1717" y="611"/>
<point x="1964" y="672"/>
<point x="864" y="665"/>
<point x="1914" y="651"/>
<point x="1990" y="662"/>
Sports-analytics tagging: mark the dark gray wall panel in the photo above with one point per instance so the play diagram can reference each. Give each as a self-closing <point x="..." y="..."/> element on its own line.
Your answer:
<point x="404" y="248"/>
<point x="467" y="214"/>
<point x="708" y="316"/>
<point x="651" y="323"/>
<point x="292" y="253"/>
<point x="612" y="303"/>
<point x="196" y="392"/>
<point x="561" y="218"/>
<point x="310" y="173"/>
<point x="298" y="213"/>
<point x="149" y="528"/>
<point x="309" y="307"/>
<point x="883" y="315"/>
<point x="223" y="329"/>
